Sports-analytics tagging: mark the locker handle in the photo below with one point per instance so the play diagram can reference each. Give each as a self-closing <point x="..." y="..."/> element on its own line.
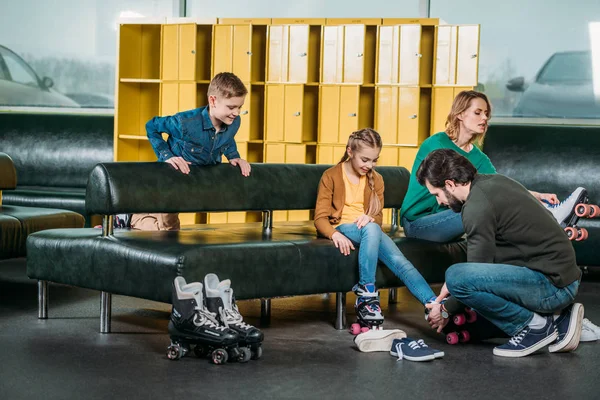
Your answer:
<point x="414" y="116"/>
<point x="297" y="114"/>
<point x="193" y="51"/>
<point x="244" y="112"/>
<point x="352" y="115"/>
<point x="418" y="55"/>
<point x="359" y="55"/>
<point x="302" y="54"/>
<point x="473" y="55"/>
<point x="249" y="53"/>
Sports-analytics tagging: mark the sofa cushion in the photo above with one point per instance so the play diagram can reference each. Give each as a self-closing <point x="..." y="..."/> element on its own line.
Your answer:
<point x="72" y="199"/>
<point x="10" y="236"/>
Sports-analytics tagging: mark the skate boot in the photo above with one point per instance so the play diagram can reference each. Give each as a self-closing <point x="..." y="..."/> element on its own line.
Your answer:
<point x="564" y="212"/>
<point x="368" y="310"/>
<point x="192" y="324"/>
<point x="220" y="301"/>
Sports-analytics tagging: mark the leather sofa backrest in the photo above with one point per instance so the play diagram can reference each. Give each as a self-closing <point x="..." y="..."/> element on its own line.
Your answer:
<point x="56" y="150"/>
<point x="8" y="175"/>
<point x="547" y="158"/>
<point x="115" y="188"/>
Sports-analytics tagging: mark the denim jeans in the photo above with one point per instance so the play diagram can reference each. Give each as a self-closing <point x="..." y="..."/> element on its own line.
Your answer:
<point x="441" y="227"/>
<point x="507" y="295"/>
<point x="374" y="244"/>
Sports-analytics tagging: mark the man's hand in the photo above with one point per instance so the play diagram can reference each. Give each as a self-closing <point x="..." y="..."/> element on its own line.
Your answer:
<point x="435" y="317"/>
<point x="444" y="292"/>
<point x="549" y="197"/>
<point x="180" y="164"/>
<point x="363" y="220"/>
<point x="243" y="164"/>
<point x="342" y="243"/>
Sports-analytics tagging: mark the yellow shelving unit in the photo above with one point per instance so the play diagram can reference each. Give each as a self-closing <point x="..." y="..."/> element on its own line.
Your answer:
<point x="311" y="82"/>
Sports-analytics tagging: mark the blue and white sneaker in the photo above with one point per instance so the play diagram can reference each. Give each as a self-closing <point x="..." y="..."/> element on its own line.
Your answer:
<point x="410" y="350"/>
<point x="436" y="353"/>
<point x="564" y="212"/>
<point x="568" y="325"/>
<point x="528" y="340"/>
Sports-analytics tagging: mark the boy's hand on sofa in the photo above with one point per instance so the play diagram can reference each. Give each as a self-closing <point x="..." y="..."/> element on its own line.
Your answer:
<point x="243" y="164"/>
<point x="342" y="243"/>
<point x="180" y="164"/>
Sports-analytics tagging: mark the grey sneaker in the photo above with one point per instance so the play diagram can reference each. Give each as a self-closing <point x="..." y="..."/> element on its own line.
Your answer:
<point x="589" y="331"/>
<point x="568" y="326"/>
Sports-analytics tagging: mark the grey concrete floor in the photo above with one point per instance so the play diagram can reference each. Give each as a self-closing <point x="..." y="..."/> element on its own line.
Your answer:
<point x="65" y="356"/>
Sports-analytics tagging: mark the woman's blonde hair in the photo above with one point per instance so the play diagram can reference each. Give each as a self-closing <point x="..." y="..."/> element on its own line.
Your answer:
<point x="366" y="137"/>
<point x="460" y="104"/>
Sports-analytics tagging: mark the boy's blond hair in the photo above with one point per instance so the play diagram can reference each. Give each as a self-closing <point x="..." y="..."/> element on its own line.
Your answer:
<point x="226" y="85"/>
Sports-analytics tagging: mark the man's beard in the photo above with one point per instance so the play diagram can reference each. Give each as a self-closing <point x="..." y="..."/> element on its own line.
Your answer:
<point x="454" y="203"/>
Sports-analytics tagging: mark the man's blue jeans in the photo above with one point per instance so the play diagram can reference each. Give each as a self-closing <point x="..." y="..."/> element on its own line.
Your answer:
<point x="442" y="227"/>
<point x="374" y="244"/>
<point x="507" y="295"/>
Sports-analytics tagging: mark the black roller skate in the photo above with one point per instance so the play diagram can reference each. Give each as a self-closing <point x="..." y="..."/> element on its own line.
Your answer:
<point x="368" y="309"/>
<point x="220" y="301"/>
<point x="192" y="324"/>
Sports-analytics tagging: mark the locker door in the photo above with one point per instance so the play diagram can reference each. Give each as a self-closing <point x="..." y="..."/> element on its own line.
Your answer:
<point x="298" y="54"/>
<point x="242" y="54"/>
<point x="386" y="118"/>
<point x="325" y="154"/>
<point x="277" y="65"/>
<point x="274" y="119"/>
<point x="441" y="102"/>
<point x="293" y="108"/>
<point x="187" y="96"/>
<point x="389" y="38"/>
<point x="329" y="114"/>
<point x="467" y="55"/>
<point x="388" y="157"/>
<point x="333" y="54"/>
<point x="222" y="49"/>
<point x="243" y="134"/>
<point x="169" y="98"/>
<point x="408" y="116"/>
<point x="354" y="53"/>
<point x="275" y="153"/>
<point x="445" y="67"/>
<point x="187" y="52"/>
<point x="170" y="59"/>
<point x="410" y="54"/>
<point x="349" y="108"/>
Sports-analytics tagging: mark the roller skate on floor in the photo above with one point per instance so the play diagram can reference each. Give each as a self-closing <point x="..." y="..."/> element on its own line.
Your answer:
<point x="568" y="212"/>
<point x="191" y="324"/>
<point x="220" y="301"/>
<point x="368" y="309"/>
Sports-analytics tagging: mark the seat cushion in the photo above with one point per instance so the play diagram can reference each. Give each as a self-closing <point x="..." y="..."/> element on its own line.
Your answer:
<point x="72" y="199"/>
<point x="10" y="236"/>
<point x="586" y="251"/>
<point x="143" y="264"/>
<point x="34" y="219"/>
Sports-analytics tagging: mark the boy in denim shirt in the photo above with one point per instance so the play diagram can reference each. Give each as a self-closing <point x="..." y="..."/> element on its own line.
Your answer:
<point x="199" y="137"/>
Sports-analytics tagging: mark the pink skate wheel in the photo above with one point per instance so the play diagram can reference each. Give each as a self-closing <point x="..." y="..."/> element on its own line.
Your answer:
<point x="571" y="232"/>
<point x="452" y="338"/>
<point x="355" y="329"/>
<point x="582" y="234"/>
<point x="595" y="211"/>
<point x="465" y="336"/>
<point x="460" y="319"/>
<point x="364" y="329"/>
<point x="582" y="209"/>
<point x="471" y="315"/>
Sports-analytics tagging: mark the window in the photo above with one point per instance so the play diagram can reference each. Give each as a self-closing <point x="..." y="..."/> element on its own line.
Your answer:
<point x="18" y="70"/>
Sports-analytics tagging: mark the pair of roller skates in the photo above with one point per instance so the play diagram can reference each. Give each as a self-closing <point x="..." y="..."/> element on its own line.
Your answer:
<point x="368" y="310"/>
<point x="206" y="317"/>
<point x="568" y="212"/>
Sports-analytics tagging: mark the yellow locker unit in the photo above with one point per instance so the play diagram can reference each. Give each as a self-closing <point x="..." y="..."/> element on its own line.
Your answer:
<point x="293" y="50"/>
<point x="240" y="47"/>
<point x="343" y="110"/>
<point x="348" y="51"/>
<point x="456" y="55"/>
<point x="441" y="103"/>
<point x="291" y="113"/>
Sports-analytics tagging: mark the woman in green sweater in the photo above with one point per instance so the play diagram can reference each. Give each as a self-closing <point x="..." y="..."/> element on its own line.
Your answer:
<point x="421" y="216"/>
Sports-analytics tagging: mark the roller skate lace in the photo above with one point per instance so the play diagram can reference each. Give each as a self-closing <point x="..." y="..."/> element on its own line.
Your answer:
<point x="233" y="317"/>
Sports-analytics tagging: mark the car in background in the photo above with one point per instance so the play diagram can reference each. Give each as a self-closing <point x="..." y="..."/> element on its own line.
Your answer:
<point x="21" y="86"/>
<point x="93" y="100"/>
<point x="563" y="88"/>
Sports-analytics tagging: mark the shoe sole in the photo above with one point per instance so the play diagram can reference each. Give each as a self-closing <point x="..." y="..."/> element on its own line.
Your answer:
<point x="571" y="339"/>
<point x="525" y="352"/>
<point x="409" y="358"/>
<point x="379" y="343"/>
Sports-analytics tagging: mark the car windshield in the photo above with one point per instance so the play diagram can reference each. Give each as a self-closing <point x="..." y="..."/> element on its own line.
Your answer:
<point x="567" y="67"/>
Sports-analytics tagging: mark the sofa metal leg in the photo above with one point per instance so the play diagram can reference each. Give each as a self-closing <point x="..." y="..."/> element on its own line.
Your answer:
<point x="340" y="311"/>
<point x="105" y="311"/>
<point x="265" y="312"/>
<point x="393" y="296"/>
<point x="42" y="299"/>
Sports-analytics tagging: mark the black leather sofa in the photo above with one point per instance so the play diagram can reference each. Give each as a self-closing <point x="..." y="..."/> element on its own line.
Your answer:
<point x="17" y="222"/>
<point x="53" y="156"/>
<point x="263" y="261"/>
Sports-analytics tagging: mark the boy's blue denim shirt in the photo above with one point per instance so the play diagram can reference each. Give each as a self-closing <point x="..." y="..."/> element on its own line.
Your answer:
<point x="193" y="137"/>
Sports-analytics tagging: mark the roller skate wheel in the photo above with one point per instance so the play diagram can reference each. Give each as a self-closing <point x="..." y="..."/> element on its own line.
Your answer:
<point x="245" y="355"/>
<point x="174" y="352"/>
<point x="452" y="338"/>
<point x="582" y="209"/>
<point x="571" y="232"/>
<point x="465" y="336"/>
<point x="355" y="329"/>
<point x="219" y="356"/>
<point x="595" y="211"/>
<point x="365" y="329"/>
<point x="582" y="234"/>
<point x="471" y="316"/>
<point x="459" y="319"/>
<point x="257" y="353"/>
<point x="200" y="351"/>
